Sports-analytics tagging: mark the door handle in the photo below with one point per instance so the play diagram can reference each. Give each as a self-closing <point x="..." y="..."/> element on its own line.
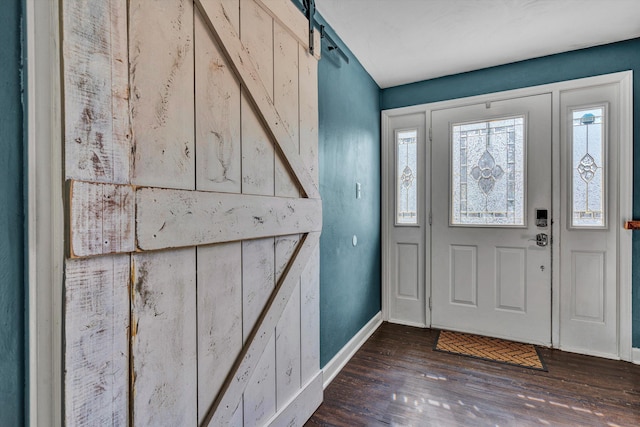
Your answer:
<point x="542" y="239"/>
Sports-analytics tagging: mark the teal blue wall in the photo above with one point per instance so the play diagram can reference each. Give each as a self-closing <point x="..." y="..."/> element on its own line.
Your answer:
<point x="349" y="148"/>
<point x="610" y="58"/>
<point x="12" y="318"/>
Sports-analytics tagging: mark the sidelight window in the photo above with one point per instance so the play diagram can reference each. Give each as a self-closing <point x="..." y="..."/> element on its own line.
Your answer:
<point x="406" y="177"/>
<point x="588" y="154"/>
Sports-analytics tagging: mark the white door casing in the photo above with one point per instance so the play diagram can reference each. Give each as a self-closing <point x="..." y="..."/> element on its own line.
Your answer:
<point x="193" y="213"/>
<point x="493" y="280"/>
<point x="622" y="196"/>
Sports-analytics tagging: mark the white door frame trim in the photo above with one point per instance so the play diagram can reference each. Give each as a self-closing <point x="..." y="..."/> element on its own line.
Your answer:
<point x="45" y="213"/>
<point x="625" y="195"/>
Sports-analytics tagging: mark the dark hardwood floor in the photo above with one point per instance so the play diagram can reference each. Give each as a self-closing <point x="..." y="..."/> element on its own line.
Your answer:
<point x="396" y="379"/>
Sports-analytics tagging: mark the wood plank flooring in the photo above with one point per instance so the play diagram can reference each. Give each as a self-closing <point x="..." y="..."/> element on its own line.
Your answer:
<point x="396" y="379"/>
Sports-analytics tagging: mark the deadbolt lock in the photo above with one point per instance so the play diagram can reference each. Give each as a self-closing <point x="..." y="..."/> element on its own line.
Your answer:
<point x="542" y="239"/>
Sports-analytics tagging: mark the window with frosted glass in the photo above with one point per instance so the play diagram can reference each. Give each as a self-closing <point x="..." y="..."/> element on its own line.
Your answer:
<point x="406" y="177"/>
<point x="488" y="173"/>
<point x="588" y="193"/>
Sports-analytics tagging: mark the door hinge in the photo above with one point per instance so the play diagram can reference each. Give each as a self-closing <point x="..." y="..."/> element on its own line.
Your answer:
<point x="430" y="134"/>
<point x="429" y="303"/>
<point x="430" y="218"/>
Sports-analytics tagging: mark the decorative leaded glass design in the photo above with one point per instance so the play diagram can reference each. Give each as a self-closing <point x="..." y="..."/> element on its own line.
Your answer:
<point x="488" y="173"/>
<point x="406" y="177"/>
<point x="588" y="154"/>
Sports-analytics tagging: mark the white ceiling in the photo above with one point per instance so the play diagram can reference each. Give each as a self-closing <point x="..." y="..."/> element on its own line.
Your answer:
<point x="403" y="41"/>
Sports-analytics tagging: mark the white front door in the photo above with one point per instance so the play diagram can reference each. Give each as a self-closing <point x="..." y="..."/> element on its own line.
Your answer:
<point x="491" y="197"/>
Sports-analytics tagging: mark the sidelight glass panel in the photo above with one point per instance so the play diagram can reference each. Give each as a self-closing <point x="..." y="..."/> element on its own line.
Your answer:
<point x="588" y="190"/>
<point x="406" y="177"/>
<point x="488" y="173"/>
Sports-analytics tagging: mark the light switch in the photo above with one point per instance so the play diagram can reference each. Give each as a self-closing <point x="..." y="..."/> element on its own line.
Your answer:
<point x="354" y="240"/>
<point x="358" y="190"/>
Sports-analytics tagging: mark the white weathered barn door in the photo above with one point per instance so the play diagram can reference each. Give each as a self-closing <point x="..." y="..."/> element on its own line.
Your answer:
<point x="191" y="279"/>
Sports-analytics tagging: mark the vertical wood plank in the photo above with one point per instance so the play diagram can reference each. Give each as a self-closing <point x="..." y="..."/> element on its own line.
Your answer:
<point x="164" y="390"/>
<point x="232" y="10"/>
<point x="285" y="94"/>
<point x="256" y="34"/>
<point x="162" y="98"/>
<point x="258" y="272"/>
<point x="96" y="375"/>
<point x="120" y="90"/>
<point x="237" y="420"/>
<point x="310" y="318"/>
<point x="310" y="279"/>
<point x="288" y="351"/>
<point x="217" y="116"/>
<point x="287" y="329"/>
<point x="260" y="394"/>
<point x="219" y="318"/>
<point x="285" y="247"/>
<point x="258" y="154"/>
<point x="258" y="280"/>
<point x="309" y="112"/>
<point x="97" y="143"/>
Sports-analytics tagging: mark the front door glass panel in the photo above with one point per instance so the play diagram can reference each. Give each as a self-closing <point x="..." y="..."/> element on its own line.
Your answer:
<point x="488" y="179"/>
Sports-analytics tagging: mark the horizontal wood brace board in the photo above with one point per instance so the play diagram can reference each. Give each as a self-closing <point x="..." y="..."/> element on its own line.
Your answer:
<point x="113" y="218"/>
<point x="242" y="63"/>
<point x="223" y="408"/>
<point x="175" y="218"/>
<point x="101" y="218"/>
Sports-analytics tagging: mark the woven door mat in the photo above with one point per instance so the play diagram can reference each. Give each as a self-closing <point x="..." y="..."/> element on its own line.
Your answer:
<point x="491" y="349"/>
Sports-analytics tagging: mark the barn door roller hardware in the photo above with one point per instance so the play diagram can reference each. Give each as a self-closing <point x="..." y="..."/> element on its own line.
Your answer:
<point x="310" y="11"/>
<point x="332" y="45"/>
<point x="310" y="7"/>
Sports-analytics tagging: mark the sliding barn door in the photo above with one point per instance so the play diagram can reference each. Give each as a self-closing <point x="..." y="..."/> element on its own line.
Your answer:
<point x="193" y="213"/>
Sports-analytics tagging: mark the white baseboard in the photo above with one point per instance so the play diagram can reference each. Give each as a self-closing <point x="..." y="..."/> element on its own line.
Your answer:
<point x="635" y="355"/>
<point x="336" y="364"/>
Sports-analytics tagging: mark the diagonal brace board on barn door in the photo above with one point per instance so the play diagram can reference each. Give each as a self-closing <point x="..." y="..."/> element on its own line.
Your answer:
<point x="217" y="20"/>
<point x="229" y="396"/>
